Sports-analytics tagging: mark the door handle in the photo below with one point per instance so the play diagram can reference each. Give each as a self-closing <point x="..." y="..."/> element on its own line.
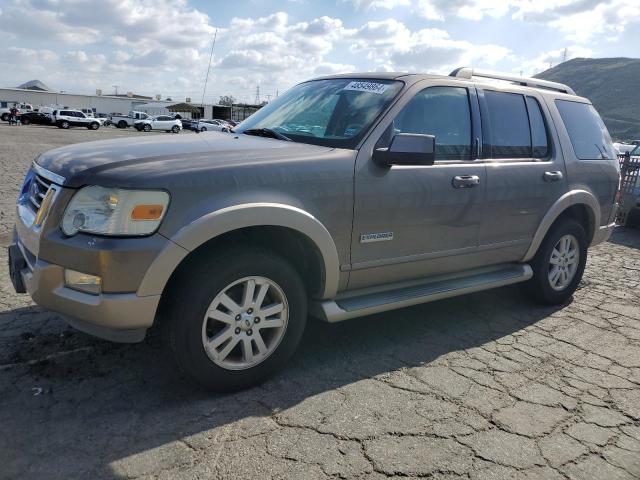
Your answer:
<point x="552" y="176"/>
<point x="465" y="181"/>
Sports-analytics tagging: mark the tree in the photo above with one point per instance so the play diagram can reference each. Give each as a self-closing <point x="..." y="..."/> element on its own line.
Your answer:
<point x="227" y="100"/>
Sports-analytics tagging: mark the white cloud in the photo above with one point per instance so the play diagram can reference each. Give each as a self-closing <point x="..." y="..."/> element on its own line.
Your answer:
<point x="395" y="48"/>
<point x="378" y="4"/>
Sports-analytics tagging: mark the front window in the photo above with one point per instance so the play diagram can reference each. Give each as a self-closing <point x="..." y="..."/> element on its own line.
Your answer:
<point x="334" y="112"/>
<point x="636" y="151"/>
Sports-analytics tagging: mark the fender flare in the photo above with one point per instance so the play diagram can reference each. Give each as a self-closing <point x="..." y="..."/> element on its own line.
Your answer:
<point x="573" y="197"/>
<point x="235" y="217"/>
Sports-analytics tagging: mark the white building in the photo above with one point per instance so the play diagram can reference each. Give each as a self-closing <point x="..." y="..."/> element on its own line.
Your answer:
<point x="98" y="103"/>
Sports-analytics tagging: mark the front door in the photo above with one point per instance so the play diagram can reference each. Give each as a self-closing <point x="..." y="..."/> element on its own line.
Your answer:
<point x="411" y="221"/>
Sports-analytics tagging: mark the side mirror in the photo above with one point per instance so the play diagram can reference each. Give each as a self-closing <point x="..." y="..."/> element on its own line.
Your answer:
<point x="407" y="149"/>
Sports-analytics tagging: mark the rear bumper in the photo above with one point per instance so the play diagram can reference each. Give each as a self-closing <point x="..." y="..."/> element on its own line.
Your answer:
<point x="120" y="317"/>
<point x="602" y="234"/>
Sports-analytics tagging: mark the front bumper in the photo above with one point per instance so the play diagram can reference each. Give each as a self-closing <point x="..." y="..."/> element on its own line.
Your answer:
<point x="119" y="317"/>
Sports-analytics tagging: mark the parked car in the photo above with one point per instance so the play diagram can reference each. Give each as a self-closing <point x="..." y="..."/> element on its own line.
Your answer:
<point x="22" y="108"/>
<point x="129" y="120"/>
<point x="74" y="118"/>
<point x="161" y="122"/>
<point x="212" y="126"/>
<point x="38" y="118"/>
<point x="227" y="242"/>
<point x="188" y="123"/>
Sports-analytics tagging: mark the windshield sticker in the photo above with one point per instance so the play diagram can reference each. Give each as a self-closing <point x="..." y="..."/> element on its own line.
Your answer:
<point x="370" y="87"/>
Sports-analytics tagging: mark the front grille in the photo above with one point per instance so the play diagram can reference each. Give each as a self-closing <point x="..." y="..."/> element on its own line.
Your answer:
<point x="37" y="191"/>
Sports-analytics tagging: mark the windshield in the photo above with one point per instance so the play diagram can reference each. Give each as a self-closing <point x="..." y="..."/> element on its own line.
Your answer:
<point x="636" y="151"/>
<point x="333" y="113"/>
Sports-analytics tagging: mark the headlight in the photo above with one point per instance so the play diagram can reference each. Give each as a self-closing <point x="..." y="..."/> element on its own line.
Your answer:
<point x="114" y="211"/>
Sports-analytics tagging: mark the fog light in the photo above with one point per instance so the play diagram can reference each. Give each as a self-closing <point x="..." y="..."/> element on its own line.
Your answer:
<point x="83" y="282"/>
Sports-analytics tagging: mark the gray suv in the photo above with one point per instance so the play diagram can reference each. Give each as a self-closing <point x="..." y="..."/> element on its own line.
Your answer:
<point x="347" y="196"/>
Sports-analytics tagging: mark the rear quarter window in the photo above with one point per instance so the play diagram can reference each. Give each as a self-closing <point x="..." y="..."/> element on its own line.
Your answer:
<point x="588" y="134"/>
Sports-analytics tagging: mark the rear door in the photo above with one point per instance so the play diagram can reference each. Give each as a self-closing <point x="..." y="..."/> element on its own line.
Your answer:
<point x="525" y="173"/>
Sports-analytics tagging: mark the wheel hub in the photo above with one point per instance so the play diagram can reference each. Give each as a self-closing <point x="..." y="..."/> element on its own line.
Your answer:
<point x="246" y="321"/>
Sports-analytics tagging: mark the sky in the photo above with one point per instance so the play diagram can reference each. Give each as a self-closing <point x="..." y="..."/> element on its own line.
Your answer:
<point x="162" y="47"/>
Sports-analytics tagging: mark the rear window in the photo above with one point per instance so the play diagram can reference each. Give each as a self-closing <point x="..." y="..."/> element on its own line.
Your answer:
<point x="588" y="134"/>
<point x="510" y="134"/>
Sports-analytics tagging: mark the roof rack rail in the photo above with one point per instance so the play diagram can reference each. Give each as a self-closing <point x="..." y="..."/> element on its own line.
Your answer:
<point x="467" y="72"/>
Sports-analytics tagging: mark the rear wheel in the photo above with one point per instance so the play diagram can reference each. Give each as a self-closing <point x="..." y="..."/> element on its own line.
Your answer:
<point x="559" y="264"/>
<point x="64" y="124"/>
<point x="25" y="121"/>
<point x="235" y="318"/>
<point x="203" y="129"/>
<point x="122" y="124"/>
<point x="5" y="117"/>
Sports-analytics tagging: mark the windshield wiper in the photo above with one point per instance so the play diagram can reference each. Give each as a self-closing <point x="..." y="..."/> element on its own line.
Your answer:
<point x="267" y="132"/>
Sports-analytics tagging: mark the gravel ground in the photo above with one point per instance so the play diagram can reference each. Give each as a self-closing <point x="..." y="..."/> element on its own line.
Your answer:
<point x="486" y="386"/>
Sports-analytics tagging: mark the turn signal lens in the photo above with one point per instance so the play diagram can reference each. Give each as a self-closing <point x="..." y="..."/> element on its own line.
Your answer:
<point x="147" y="212"/>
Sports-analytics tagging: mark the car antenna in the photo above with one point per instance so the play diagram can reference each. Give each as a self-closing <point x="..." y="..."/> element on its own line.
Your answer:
<point x="206" y="79"/>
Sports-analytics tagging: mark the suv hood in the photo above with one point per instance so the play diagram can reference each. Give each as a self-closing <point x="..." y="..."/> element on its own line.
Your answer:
<point x="139" y="160"/>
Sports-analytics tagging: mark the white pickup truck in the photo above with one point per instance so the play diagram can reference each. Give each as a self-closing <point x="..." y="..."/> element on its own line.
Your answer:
<point x="22" y="107"/>
<point x="121" y="121"/>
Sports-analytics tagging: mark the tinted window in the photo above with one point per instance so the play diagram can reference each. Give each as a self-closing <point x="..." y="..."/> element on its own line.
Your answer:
<point x="539" y="139"/>
<point x="443" y="112"/>
<point x="509" y="125"/>
<point x="588" y="134"/>
<point x="65" y="113"/>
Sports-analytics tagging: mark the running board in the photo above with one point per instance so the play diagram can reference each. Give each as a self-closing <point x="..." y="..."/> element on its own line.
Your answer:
<point x="370" y="301"/>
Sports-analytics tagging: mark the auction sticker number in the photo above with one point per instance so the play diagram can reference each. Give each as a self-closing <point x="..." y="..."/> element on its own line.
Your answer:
<point x="370" y="87"/>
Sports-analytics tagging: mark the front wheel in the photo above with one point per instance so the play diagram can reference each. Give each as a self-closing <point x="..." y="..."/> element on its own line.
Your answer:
<point x="25" y="121"/>
<point x="147" y="128"/>
<point x="559" y="264"/>
<point x="5" y="117"/>
<point x="175" y="129"/>
<point x="94" y="126"/>
<point x="235" y="318"/>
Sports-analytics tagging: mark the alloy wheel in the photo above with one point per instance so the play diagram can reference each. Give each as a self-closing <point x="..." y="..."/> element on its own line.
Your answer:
<point x="564" y="262"/>
<point x="245" y="323"/>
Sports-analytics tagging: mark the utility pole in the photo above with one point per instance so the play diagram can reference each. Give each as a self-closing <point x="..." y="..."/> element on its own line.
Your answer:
<point x="257" y="95"/>
<point x="564" y="55"/>
<point x="116" y="87"/>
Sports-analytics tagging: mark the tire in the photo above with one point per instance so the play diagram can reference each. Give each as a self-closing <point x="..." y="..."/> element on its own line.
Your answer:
<point x="540" y="286"/>
<point x="5" y="117"/>
<point x="64" y="124"/>
<point x="183" y="318"/>
<point x="175" y="129"/>
<point x="147" y="128"/>
<point x="224" y="130"/>
<point x="203" y="129"/>
<point x="25" y="121"/>
<point x="94" y="126"/>
<point x="122" y="124"/>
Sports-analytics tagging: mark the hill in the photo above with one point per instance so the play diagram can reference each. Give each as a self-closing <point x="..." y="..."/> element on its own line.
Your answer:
<point x="612" y="84"/>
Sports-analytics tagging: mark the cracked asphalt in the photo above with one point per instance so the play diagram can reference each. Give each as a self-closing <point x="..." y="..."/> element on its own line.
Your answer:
<point x="487" y="386"/>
